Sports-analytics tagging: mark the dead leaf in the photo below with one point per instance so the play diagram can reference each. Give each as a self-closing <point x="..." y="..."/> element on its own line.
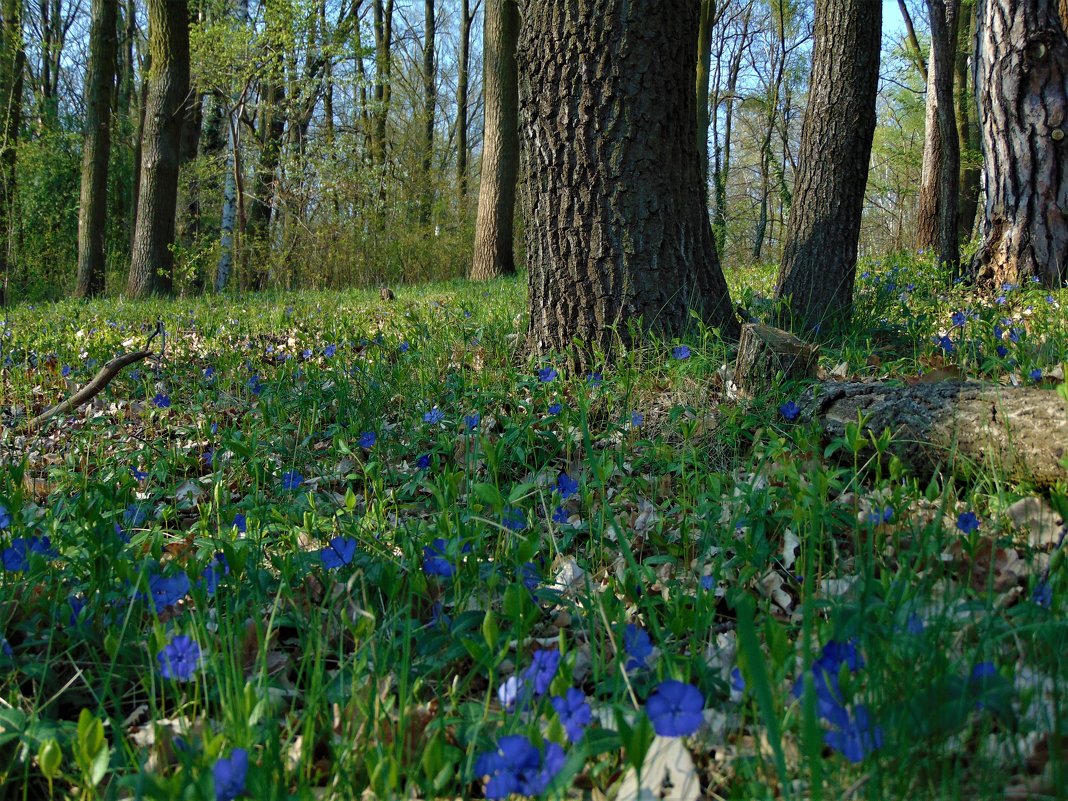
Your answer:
<point x="1038" y="520"/>
<point x="667" y="774"/>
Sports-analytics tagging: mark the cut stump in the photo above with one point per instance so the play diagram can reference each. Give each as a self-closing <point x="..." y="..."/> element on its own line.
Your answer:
<point x="764" y="352"/>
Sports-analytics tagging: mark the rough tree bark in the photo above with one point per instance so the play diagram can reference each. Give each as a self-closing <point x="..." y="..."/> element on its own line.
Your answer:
<point x="704" y="64"/>
<point x="820" y="255"/>
<point x="1020" y="431"/>
<point x="617" y="230"/>
<point x="494" y="253"/>
<point x="96" y="151"/>
<point x="944" y="14"/>
<point x="12" y="72"/>
<point x="1021" y="81"/>
<point x="151" y="262"/>
<point x="931" y="169"/>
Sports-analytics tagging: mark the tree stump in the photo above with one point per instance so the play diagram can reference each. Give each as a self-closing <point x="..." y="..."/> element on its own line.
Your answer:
<point x="1021" y="432"/>
<point x="764" y="352"/>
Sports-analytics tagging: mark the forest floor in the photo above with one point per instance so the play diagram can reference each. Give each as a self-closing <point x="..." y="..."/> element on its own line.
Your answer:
<point x="334" y="547"/>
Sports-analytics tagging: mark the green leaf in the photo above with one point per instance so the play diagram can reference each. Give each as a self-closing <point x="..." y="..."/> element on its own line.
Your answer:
<point x="49" y="758"/>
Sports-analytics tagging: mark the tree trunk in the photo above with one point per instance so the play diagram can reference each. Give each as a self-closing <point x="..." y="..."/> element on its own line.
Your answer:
<point x="617" y="233"/>
<point x="910" y="29"/>
<point x="494" y="253"/>
<point x="430" y="101"/>
<point x="820" y="254"/>
<point x="187" y="223"/>
<point x="944" y="22"/>
<point x="383" y="27"/>
<point x="1021" y="80"/>
<point x="967" y="127"/>
<point x="1021" y="432"/>
<point x="96" y="152"/>
<point x="12" y="71"/>
<point x="152" y="260"/>
<point x="927" y="213"/>
<point x="466" y="18"/>
<point x="704" y="69"/>
<point x="719" y="218"/>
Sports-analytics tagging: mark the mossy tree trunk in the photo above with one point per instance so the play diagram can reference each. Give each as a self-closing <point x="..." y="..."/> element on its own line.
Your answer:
<point x="617" y="229"/>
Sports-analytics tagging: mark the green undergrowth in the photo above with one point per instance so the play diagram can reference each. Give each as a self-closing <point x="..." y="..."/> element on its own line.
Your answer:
<point x="367" y="542"/>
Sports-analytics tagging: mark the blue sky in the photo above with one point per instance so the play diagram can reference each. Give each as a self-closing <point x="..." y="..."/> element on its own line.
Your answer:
<point x="892" y="22"/>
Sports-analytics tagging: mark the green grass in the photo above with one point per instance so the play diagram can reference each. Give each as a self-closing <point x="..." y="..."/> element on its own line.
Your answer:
<point x="722" y="531"/>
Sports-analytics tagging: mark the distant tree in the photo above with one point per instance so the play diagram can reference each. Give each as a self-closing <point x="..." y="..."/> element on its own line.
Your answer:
<point x="383" y="90"/>
<point x="96" y="151"/>
<point x="617" y="230"/>
<point x="12" y="72"/>
<point x="152" y="257"/>
<point x="463" y="149"/>
<point x="819" y="261"/>
<point x="494" y="253"/>
<point x="1021" y="82"/>
<point x="430" y="101"/>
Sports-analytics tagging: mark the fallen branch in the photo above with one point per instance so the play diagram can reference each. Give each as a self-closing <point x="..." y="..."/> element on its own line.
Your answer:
<point x="90" y="390"/>
<point x="1022" y="432"/>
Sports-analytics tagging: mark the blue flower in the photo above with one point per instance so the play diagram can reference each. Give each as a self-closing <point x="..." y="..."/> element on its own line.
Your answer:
<point x="542" y="670"/>
<point x="339" y="552"/>
<point x="1043" y="594"/>
<point x="529" y="575"/>
<point x="546" y="374"/>
<point x="436" y="559"/>
<point x="471" y="421"/>
<point x="516" y="767"/>
<point x="291" y="479"/>
<point x="636" y="419"/>
<point x="139" y="475"/>
<point x="329" y="351"/>
<point x="134" y="515"/>
<point x="216" y="569"/>
<point x="566" y="486"/>
<point x="179" y="658"/>
<point x="560" y="515"/>
<point x="1014" y="335"/>
<point x="790" y="411"/>
<point x="434" y="416"/>
<point x="708" y="583"/>
<point x="825" y="669"/>
<point x="1002" y="351"/>
<point x="403" y="347"/>
<point x="637" y="645"/>
<point x="967" y="522"/>
<point x="167" y="590"/>
<point x="5" y="517"/>
<point x="66" y="371"/>
<point x="680" y="352"/>
<point x="209" y="372"/>
<point x="884" y="515"/>
<point x="594" y="379"/>
<point x="162" y="400"/>
<point x="367" y="439"/>
<point x="856" y="736"/>
<point x="959" y="318"/>
<point x="16" y="557"/>
<point x="255" y="384"/>
<point x="229" y="775"/>
<point x="240" y="522"/>
<point x="555" y="408"/>
<point x="423" y="462"/>
<point x="945" y="343"/>
<point x="1036" y="374"/>
<point x="574" y="713"/>
<point x="737" y="681"/>
<point x="675" y="709"/>
<point x="514" y="519"/>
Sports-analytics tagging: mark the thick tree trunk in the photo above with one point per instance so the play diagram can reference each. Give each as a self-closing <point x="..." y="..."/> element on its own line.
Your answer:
<point x="944" y="22"/>
<point x="430" y="101"/>
<point x="494" y="253"/>
<point x="820" y="255"/>
<point x="927" y="212"/>
<point x="617" y="230"/>
<point x="96" y="153"/>
<point x="1021" y="80"/>
<point x="152" y="260"/>
<point x="1021" y="432"/>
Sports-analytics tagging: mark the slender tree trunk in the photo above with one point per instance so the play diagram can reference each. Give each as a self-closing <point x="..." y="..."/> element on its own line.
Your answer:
<point x="493" y="253"/>
<point x="152" y="260"/>
<point x="383" y="27"/>
<point x="467" y="16"/>
<point x="719" y="219"/>
<point x="927" y="213"/>
<point x="188" y="215"/>
<point x="967" y="126"/>
<point x="430" y="101"/>
<point x="228" y="219"/>
<point x="617" y="233"/>
<point x="944" y="22"/>
<point x="1021" y="82"/>
<point x="704" y="69"/>
<point x="917" y="52"/>
<point x="142" y="106"/>
<point x="820" y="253"/>
<point x="96" y="152"/>
<point x="12" y="72"/>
